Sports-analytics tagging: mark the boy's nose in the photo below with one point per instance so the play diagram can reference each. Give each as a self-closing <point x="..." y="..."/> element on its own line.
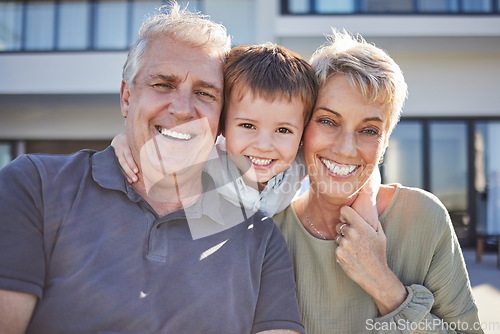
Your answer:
<point x="263" y="143"/>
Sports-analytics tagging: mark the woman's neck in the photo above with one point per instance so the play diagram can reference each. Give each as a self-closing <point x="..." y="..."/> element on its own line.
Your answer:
<point x="318" y="216"/>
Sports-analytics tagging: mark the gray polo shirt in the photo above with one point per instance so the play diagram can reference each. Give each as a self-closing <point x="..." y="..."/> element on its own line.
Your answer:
<point x="100" y="260"/>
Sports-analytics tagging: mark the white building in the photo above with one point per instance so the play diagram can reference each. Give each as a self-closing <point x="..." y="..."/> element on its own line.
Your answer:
<point x="60" y="73"/>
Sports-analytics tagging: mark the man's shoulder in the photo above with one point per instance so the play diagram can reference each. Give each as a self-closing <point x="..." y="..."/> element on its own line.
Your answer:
<point x="61" y="159"/>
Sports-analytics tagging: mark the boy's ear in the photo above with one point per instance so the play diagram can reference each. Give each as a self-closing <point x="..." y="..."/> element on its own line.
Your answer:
<point x="124" y="98"/>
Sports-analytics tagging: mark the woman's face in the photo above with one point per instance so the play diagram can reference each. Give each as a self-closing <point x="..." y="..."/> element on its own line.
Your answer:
<point x="344" y="141"/>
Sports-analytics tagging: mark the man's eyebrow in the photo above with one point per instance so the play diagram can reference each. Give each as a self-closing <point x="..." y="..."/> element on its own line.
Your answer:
<point x="171" y="78"/>
<point x="209" y="85"/>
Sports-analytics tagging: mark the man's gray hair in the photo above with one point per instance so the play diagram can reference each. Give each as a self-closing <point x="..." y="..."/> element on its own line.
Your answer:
<point x="194" y="29"/>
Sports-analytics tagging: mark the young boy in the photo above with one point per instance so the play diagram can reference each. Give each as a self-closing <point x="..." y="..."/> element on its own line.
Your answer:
<point x="269" y="95"/>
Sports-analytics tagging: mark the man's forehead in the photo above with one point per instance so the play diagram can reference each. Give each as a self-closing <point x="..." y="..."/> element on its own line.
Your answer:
<point x="181" y="61"/>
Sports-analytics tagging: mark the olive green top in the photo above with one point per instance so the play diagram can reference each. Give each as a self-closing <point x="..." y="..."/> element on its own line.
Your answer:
<point x="423" y="252"/>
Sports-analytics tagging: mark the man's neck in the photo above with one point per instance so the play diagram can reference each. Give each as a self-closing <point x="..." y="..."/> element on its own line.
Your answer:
<point x="170" y="194"/>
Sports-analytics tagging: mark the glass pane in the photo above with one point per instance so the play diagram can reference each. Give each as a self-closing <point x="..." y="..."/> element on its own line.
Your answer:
<point x="487" y="178"/>
<point x="141" y="10"/>
<point x="73" y="30"/>
<point x="403" y="160"/>
<point x="448" y="147"/>
<point x="298" y="6"/>
<point x="339" y="6"/>
<point x="40" y="17"/>
<point x="448" y="171"/>
<point x="10" y="26"/>
<point x="438" y="6"/>
<point x="111" y="24"/>
<point x="476" y="6"/>
<point x="386" y="6"/>
<point x="5" y="154"/>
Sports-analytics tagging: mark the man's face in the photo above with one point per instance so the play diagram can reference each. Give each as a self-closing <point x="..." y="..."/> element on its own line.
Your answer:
<point x="173" y="109"/>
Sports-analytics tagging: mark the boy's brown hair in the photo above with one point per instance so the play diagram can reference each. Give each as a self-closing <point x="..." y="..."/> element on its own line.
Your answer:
<point x="269" y="71"/>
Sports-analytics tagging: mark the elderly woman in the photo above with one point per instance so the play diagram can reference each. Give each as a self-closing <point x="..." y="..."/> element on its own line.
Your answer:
<point x="399" y="273"/>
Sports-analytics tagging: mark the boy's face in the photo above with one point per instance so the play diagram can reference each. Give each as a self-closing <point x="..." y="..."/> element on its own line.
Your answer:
<point x="262" y="137"/>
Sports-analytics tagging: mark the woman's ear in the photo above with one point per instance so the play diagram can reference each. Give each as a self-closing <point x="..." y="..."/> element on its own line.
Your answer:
<point x="124" y="98"/>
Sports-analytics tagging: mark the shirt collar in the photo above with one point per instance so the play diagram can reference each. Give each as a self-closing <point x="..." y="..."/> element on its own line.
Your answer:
<point x="106" y="171"/>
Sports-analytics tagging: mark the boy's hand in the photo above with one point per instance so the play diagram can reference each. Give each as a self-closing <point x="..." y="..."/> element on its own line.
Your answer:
<point x="366" y="202"/>
<point x="124" y="155"/>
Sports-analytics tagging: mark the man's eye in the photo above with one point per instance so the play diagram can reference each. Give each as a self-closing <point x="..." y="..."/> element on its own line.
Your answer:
<point x="284" y="130"/>
<point x="206" y="95"/>
<point x="162" y="85"/>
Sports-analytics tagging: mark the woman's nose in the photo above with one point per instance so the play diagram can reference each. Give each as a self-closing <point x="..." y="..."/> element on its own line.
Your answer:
<point x="346" y="144"/>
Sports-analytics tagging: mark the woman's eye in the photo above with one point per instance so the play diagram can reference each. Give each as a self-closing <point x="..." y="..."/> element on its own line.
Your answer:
<point x="326" y="122"/>
<point x="283" y="130"/>
<point x="371" y="132"/>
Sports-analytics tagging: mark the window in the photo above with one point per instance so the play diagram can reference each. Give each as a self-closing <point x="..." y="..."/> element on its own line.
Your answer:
<point x="448" y="168"/>
<point x="140" y="11"/>
<point x="403" y="160"/>
<point x="477" y="6"/>
<point x="5" y="154"/>
<point x="437" y="6"/>
<point x="73" y="25"/>
<point x="39" y="25"/>
<point x="11" y="22"/>
<point x="386" y="6"/>
<point x="111" y="25"/>
<point x="339" y="6"/>
<point x="390" y="6"/>
<point x="298" y="6"/>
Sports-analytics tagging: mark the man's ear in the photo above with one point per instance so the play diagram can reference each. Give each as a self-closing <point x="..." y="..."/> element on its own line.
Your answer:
<point x="124" y="98"/>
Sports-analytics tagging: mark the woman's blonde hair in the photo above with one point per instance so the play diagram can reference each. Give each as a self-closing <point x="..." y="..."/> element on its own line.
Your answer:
<point x="367" y="68"/>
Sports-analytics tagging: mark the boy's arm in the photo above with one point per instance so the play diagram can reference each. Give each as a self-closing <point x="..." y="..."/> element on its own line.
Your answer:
<point x="125" y="158"/>
<point x="366" y="202"/>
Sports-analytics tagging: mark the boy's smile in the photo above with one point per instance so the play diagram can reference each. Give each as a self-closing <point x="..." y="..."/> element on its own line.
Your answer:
<point x="263" y="136"/>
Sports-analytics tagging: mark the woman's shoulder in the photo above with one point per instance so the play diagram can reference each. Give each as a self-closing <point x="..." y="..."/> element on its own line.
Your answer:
<point x="411" y="203"/>
<point x="285" y="216"/>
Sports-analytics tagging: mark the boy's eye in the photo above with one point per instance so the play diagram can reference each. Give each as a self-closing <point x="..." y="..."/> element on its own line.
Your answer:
<point x="247" y="125"/>
<point x="283" y="130"/>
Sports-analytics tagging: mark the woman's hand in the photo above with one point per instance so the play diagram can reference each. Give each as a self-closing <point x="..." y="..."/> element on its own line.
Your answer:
<point x="366" y="201"/>
<point x="362" y="255"/>
<point x="125" y="158"/>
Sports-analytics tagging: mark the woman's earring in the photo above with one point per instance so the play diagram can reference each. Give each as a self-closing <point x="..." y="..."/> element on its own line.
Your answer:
<point x="381" y="161"/>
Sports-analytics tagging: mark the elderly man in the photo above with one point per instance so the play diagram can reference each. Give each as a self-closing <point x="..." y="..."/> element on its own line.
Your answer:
<point x="81" y="251"/>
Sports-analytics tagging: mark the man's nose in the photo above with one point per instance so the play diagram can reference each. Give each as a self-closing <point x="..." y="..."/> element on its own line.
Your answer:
<point x="182" y="105"/>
